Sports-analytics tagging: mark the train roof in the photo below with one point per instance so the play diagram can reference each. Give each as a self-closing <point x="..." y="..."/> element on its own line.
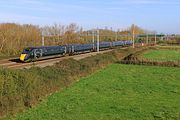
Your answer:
<point x="41" y="47"/>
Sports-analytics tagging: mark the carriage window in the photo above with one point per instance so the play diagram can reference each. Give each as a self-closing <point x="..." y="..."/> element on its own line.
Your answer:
<point x="26" y="51"/>
<point x="44" y="50"/>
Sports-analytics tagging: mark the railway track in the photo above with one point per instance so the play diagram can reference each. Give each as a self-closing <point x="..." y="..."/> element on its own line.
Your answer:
<point x="16" y="64"/>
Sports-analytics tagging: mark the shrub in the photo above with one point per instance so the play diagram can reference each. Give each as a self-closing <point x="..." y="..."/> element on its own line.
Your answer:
<point x="20" y="89"/>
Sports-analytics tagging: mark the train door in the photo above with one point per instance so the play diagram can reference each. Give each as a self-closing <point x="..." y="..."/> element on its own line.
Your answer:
<point x="65" y="50"/>
<point x="69" y="50"/>
<point x="111" y="45"/>
<point x="73" y="49"/>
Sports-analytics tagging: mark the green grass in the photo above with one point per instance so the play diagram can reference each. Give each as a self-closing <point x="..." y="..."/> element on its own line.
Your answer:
<point x="21" y="89"/>
<point x="118" y="92"/>
<point x="163" y="55"/>
<point x="168" y="47"/>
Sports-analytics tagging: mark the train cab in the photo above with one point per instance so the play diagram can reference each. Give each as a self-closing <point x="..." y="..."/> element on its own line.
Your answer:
<point x="26" y="54"/>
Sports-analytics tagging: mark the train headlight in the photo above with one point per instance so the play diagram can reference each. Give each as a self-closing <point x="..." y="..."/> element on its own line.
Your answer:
<point x="22" y="57"/>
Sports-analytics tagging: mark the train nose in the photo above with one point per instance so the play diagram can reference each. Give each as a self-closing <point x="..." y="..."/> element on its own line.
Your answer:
<point x="22" y="57"/>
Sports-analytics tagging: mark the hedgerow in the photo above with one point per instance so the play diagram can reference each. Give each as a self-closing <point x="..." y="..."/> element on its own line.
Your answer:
<point x="21" y="89"/>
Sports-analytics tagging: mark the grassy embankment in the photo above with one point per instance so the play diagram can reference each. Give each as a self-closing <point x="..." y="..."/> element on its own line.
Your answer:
<point x="163" y="55"/>
<point x="21" y="89"/>
<point x="116" y="92"/>
<point x="154" y="57"/>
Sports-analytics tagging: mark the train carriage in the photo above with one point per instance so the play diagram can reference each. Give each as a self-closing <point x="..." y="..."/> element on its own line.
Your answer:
<point x="105" y="45"/>
<point x="33" y="53"/>
<point x="36" y="53"/>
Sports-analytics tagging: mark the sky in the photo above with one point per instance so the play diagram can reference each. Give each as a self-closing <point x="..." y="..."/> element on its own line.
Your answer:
<point x="162" y="16"/>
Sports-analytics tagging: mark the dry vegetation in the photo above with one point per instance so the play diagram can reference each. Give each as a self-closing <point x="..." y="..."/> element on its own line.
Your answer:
<point x="14" y="37"/>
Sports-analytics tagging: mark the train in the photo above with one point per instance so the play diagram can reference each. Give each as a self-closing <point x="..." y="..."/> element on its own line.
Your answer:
<point x="38" y="53"/>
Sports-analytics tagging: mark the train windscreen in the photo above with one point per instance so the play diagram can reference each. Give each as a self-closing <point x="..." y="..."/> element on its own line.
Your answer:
<point x="27" y="50"/>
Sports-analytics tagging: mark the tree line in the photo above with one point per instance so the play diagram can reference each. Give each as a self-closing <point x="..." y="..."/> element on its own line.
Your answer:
<point x="15" y="37"/>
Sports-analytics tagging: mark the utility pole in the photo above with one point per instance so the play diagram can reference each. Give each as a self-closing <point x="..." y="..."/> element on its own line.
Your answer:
<point x="167" y="37"/>
<point x="147" y="39"/>
<point x="116" y="36"/>
<point x="59" y="37"/>
<point x="155" y="39"/>
<point x="97" y="40"/>
<point x="93" y="32"/>
<point x="42" y="38"/>
<point x="133" y="27"/>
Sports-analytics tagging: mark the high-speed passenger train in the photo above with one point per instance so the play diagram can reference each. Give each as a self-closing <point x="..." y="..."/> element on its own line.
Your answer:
<point x="36" y="53"/>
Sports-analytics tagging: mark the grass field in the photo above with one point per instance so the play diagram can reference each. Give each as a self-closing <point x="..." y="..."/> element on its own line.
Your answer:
<point x="114" y="93"/>
<point x="163" y="55"/>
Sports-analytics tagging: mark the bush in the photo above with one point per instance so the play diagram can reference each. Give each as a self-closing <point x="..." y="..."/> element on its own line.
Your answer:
<point x="20" y="89"/>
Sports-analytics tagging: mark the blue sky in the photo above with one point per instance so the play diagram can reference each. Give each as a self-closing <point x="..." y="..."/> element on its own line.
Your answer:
<point x="160" y="15"/>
